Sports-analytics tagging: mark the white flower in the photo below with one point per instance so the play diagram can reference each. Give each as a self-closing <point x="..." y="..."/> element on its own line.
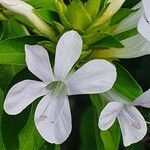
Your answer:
<point x="52" y="115"/>
<point x="139" y="19"/>
<point x="132" y="20"/>
<point x="144" y="21"/>
<point x="134" y="46"/>
<point x="21" y="7"/>
<point x="133" y="125"/>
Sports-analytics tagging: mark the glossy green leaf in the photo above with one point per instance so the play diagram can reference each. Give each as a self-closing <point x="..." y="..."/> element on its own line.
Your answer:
<point x="106" y="140"/>
<point x="113" y="136"/>
<point x="47" y="15"/>
<point x="126" y="34"/>
<point x="78" y="16"/>
<point x="87" y="132"/>
<point x="29" y="138"/>
<point x="13" y="29"/>
<point x="12" y="50"/>
<point x="42" y="4"/>
<point x="120" y="15"/>
<point x="107" y="42"/>
<point x="126" y="84"/>
<point x="102" y="4"/>
<point x="7" y="73"/>
<point x="92" y="7"/>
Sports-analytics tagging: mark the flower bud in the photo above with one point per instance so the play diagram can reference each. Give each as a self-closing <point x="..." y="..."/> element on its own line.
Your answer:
<point x="20" y="7"/>
<point x="113" y="7"/>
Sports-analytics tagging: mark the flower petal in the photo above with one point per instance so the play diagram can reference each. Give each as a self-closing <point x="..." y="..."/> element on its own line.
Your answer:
<point x="23" y="94"/>
<point x="109" y="114"/>
<point x="143" y="100"/>
<point x="96" y="76"/>
<point x="146" y="5"/>
<point x="68" y="51"/>
<point x="144" y="27"/>
<point x="133" y="125"/>
<point x="135" y="46"/>
<point x="53" y="118"/>
<point x="37" y="60"/>
<point x="131" y="21"/>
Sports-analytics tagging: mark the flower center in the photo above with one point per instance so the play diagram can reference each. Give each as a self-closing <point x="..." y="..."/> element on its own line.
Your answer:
<point x="56" y="89"/>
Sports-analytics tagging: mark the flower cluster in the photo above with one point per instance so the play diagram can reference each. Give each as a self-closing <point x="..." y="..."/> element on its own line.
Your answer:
<point x="97" y="76"/>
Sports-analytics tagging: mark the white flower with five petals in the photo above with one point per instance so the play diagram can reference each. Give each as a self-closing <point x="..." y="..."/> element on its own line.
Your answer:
<point x="52" y="115"/>
<point x="133" y="125"/>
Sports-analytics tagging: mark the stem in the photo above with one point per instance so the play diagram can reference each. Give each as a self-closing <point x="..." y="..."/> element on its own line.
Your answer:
<point x="57" y="147"/>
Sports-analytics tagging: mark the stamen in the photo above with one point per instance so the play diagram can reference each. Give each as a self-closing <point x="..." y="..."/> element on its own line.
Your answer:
<point x="147" y="21"/>
<point x="43" y="118"/>
<point x="136" y="125"/>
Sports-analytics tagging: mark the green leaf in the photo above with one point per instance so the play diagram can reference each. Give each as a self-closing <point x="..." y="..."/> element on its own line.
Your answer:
<point x="47" y="15"/>
<point x="92" y="7"/>
<point x="29" y="138"/>
<point x="78" y="16"/>
<point x="42" y="4"/>
<point x="86" y="132"/>
<point x="113" y="136"/>
<point x="11" y="126"/>
<point x="12" y="29"/>
<point x="126" y="34"/>
<point x="12" y="50"/>
<point x="126" y="84"/>
<point x="2" y="147"/>
<point x="109" y="138"/>
<point x="7" y="73"/>
<point x="107" y="42"/>
<point x="120" y="15"/>
<point x="102" y="4"/>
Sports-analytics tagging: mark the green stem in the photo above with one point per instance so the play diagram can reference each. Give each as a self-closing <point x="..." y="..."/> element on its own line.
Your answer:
<point x="57" y="147"/>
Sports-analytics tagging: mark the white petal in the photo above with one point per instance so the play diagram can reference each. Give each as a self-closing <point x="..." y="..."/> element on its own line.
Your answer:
<point x="131" y="21"/>
<point x="144" y="27"/>
<point x="109" y="114"/>
<point x="135" y="46"/>
<point x="38" y="63"/>
<point x="146" y="4"/>
<point x="23" y="94"/>
<point x="96" y="76"/>
<point x="133" y="125"/>
<point x="143" y="100"/>
<point x="17" y="6"/>
<point x="68" y="51"/>
<point x="53" y="118"/>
